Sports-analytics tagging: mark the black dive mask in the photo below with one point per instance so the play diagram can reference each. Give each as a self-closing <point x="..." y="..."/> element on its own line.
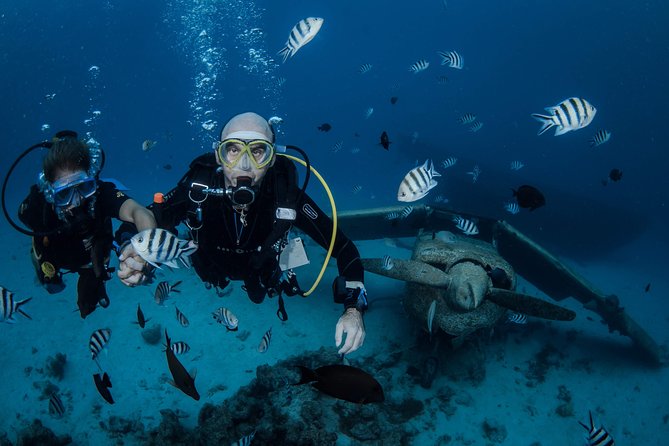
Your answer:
<point x="243" y="194"/>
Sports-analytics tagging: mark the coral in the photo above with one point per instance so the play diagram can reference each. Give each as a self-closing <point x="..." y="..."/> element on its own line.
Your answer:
<point x="55" y="366"/>
<point x="118" y="427"/>
<point x="494" y="431"/>
<point x="546" y="358"/>
<point x="169" y="431"/>
<point x="37" y="434"/>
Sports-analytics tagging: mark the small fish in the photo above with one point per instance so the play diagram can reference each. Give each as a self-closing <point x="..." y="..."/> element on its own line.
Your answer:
<point x="183" y="321"/>
<point x="517" y="165"/>
<point x="570" y="114"/>
<point x="387" y="263"/>
<point x="430" y="316"/>
<point x="616" y="175"/>
<point x="511" y="208"/>
<point x="355" y="150"/>
<point x="468" y="227"/>
<point x="163" y="291"/>
<point x="182" y="380"/>
<point x="369" y="112"/>
<point x="325" y="127"/>
<point x="280" y="81"/>
<point x="364" y="68"/>
<point x="449" y="162"/>
<point x="452" y="58"/>
<point x="357" y="188"/>
<point x="343" y="382"/>
<point x="393" y="100"/>
<point x="529" y="197"/>
<point x="406" y="211"/>
<point x="440" y="199"/>
<point x="597" y="436"/>
<point x="148" y="145"/>
<point x="180" y="347"/>
<point x="601" y="137"/>
<point x="56" y="407"/>
<point x="420" y="65"/>
<point x="337" y="147"/>
<point x="300" y="35"/>
<point x="646" y="288"/>
<point x="264" y="342"/>
<point x="10" y="306"/>
<point x="385" y="141"/>
<point x="103" y="384"/>
<point x="141" y="320"/>
<point x="45" y="127"/>
<point x="475" y="172"/>
<point x="245" y="440"/>
<point x="167" y="166"/>
<point x="392" y="215"/>
<point x="516" y="318"/>
<point x="227" y="318"/>
<point x="98" y="341"/>
<point x="475" y="127"/>
<point x="442" y="80"/>
<point x="418" y="182"/>
<point x="158" y="246"/>
<point x="49" y="96"/>
<point x="467" y="118"/>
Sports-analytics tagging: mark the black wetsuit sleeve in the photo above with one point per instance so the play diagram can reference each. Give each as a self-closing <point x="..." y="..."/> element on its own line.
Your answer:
<point x="31" y="210"/>
<point x="317" y="225"/>
<point x="111" y="199"/>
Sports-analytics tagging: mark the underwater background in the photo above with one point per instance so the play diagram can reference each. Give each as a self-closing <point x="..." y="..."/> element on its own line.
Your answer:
<point x="174" y="72"/>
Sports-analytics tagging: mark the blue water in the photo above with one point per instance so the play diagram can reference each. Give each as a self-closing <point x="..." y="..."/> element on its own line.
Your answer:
<point x="519" y="57"/>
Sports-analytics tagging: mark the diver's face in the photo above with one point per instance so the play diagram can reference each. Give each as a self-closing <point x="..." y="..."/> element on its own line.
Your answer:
<point x="67" y="196"/>
<point x="244" y="168"/>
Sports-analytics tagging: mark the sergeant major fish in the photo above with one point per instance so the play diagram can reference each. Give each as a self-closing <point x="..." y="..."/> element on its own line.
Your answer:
<point x="467" y="227"/>
<point x="98" y="341"/>
<point x="420" y="65"/>
<point x="597" y="436"/>
<point x="265" y="341"/>
<point x="418" y="182"/>
<point x="158" y="246"/>
<point x="300" y="35"/>
<point x="601" y="137"/>
<point x="227" y="318"/>
<point x="181" y="318"/>
<point x="570" y="114"/>
<point x="452" y="58"/>
<point x="163" y="291"/>
<point x="10" y="306"/>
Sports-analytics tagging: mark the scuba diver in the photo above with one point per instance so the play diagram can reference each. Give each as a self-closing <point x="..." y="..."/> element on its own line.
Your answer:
<point x="70" y="213"/>
<point x="240" y="204"/>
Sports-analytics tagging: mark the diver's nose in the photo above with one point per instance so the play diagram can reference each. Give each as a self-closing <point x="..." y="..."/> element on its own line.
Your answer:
<point x="76" y="199"/>
<point x="245" y="162"/>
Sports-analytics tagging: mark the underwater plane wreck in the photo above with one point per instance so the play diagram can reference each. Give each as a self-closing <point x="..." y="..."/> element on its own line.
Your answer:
<point x="452" y="273"/>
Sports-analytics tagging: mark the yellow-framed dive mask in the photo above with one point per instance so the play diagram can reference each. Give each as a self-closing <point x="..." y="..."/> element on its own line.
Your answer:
<point x="231" y="151"/>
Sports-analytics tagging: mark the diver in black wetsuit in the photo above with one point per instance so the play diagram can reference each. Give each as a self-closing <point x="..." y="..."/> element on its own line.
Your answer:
<point x="239" y="204"/>
<point x="70" y="212"/>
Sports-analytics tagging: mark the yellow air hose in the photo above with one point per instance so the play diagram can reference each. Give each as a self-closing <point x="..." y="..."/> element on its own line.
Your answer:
<point x="334" y="221"/>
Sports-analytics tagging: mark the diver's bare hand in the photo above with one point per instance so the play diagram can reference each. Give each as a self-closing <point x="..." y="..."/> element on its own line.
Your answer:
<point x="352" y="324"/>
<point x="132" y="268"/>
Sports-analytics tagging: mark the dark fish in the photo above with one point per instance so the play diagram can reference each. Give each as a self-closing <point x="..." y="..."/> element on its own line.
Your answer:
<point x="385" y="141"/>
<point x="393" y="100"/>
<point x="616" y="175"/>
<point x="103" y="384"/>
<point x="325" y="127"/>
<point x="141" y="320"/>
<point x="167" y="166"/>
<point x="182" y="379"/>
<point x="529" y="197"/>
<point x="647" y="288"/>
<point x="344" y="382"/>
<point x="56" y="407"/>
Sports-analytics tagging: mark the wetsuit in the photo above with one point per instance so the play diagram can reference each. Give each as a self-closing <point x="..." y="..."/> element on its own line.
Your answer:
<point x="82" y="246"/>
<point x="228" y="250"/>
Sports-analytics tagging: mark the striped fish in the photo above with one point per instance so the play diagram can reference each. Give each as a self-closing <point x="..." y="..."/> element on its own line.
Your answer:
<point x="264" y="342"/>
<point x="300" y="35"/>
<point x="512" y="208"/>
<point x="430" y="316"/>
<point x="597" y="436"/>
<point x="337" y="147"/>
<point x="476" y="126"/>
<point x="452" y="58"/>
<point x="570" y="114"/>
<point x="449" y="162"/>
<point x="417" y="183"/>
<point x="516" y="318"/>
<point x="183" y="320"/>
<point x="406" y="211"/>
<point x="387" y="263"/>
<point x="98" y="341"/>
<point x="420" y="65"/>
<point x="364" y="68"/>
<point x="10" y="306"/>
<point x="180" y="347"/>
<point x="56" y="407"/>
<point x="467" y="227"/>
<point x="246" y="440"/>
<point x="392" y="215"/>
<point x="163" y="291"/>
<point x="158" y="246"/>
<point x="601" y="137"/>
<point x="442" y="80"/>
<point x="516" y="165"/>
<point x="475" y="172"/>
<point x="357" y="188"/>
<point x="227" y="318"/>
<point x="467" y="118"/>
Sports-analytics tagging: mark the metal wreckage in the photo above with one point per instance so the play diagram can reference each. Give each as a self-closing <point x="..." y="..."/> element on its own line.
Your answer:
<point x="455" y="272"/>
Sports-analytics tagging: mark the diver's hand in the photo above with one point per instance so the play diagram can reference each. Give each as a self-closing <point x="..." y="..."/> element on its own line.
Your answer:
<point x="132" y="269"/>
<point x="352" y="324"/>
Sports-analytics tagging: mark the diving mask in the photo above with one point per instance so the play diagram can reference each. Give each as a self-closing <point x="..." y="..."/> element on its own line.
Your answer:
<point x="73" y="188"/>
<point x="230" y="151"/>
